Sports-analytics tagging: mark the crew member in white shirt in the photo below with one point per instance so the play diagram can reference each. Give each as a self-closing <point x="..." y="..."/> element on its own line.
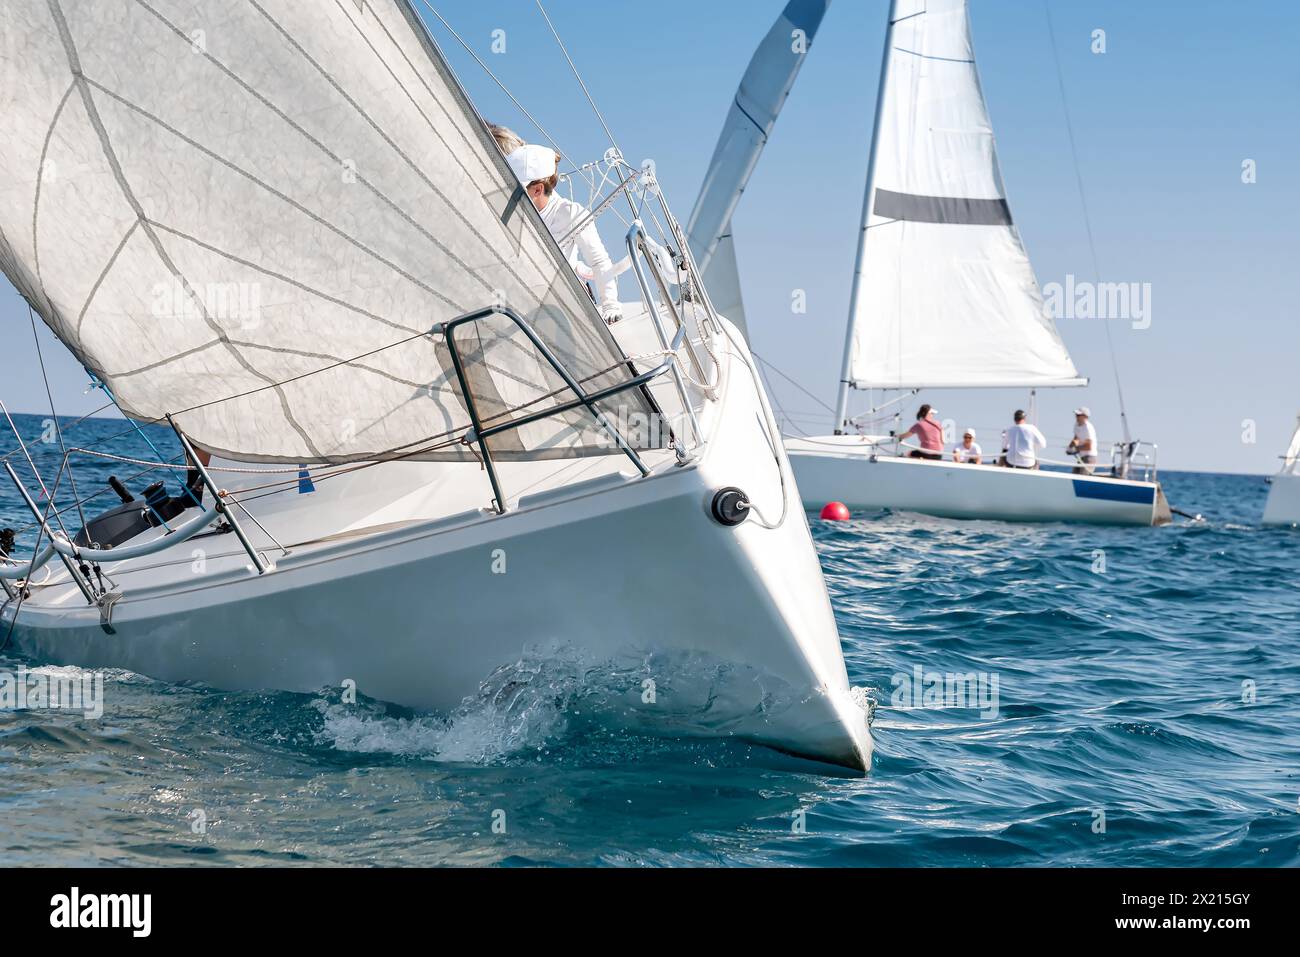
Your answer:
<point x="968" y="450"/>
<point x="536" y="167"/>
<point x="1022" y="442"/>
<point x="1084" y="446"/>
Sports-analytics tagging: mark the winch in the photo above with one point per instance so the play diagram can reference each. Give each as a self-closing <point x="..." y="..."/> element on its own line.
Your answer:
<point x="127" y="520"/>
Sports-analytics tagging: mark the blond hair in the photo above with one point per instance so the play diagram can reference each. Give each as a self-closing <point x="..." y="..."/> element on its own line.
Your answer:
<point x="507" y="139"/>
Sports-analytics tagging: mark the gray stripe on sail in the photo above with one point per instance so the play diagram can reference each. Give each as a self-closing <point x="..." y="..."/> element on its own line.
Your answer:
<point x="952" y="210"/>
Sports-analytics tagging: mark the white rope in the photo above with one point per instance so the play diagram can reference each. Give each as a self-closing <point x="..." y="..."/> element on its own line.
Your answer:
<point x="182" y="467"/>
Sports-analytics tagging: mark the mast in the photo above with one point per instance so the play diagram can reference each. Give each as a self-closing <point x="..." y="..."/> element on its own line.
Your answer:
<point x="842" y="400"/>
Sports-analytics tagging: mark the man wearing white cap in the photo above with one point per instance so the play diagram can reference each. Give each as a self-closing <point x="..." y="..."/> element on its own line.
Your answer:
<point x="1084" y="446"/>
<point x="968" y="450"/>
<point x="535" y="167"/>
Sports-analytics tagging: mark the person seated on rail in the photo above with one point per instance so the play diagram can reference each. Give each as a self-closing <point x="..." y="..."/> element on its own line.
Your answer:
<point x="930" y="433"/>
<point x="1019" y="448"/>
<point x="536" y="167"/>
<point x="1084" y="444"/>
<point x="968" y="449"/>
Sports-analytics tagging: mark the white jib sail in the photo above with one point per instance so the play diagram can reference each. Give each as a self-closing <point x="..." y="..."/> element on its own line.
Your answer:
<point x="763" y="91"/>
<point x="251" y="213"/>
<point x="946" y="296"/>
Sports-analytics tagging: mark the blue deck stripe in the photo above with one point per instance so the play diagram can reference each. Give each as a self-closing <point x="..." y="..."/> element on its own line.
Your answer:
<point x="1114" y="491"/>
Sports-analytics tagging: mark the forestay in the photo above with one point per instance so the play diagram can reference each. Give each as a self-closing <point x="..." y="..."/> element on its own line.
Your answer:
<point x="275" y="201"/>
<point x="946" y="295"/>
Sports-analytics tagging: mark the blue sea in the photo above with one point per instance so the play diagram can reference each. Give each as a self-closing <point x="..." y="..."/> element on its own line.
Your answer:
<point x="1147" y="713"/>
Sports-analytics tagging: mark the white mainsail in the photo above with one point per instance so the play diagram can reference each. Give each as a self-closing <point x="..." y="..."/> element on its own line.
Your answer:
<point x="251" y="213"/>
<point x="944" y="294"/>
<point x="763" y="91"/>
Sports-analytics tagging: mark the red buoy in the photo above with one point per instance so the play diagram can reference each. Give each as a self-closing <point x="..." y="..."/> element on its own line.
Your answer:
<point x="835" y="512"/>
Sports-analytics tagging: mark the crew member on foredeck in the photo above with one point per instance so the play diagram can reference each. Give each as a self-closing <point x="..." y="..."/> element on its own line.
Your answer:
<point x="1022" y="442"/>
<point x="1084" y="444"/>
<point x="968" y="449"/>
<point x="536" y="167"/>
<point x="928" y="431"/>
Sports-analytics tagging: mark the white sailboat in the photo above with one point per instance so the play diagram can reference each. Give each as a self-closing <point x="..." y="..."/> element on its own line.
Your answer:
<point x="1283" y="504"/>
<point x="431" y="460"/>
<point x="944" y="296"/>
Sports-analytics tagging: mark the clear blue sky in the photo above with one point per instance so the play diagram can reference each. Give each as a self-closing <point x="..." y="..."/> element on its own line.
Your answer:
<point x="1163" y="120"/>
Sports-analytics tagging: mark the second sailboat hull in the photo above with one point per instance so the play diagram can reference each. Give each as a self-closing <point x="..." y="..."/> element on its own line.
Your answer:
<point x="846" y="469"/>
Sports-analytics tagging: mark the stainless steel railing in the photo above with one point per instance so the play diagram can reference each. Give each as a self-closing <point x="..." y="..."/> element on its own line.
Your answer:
<point x="480" y="433"/>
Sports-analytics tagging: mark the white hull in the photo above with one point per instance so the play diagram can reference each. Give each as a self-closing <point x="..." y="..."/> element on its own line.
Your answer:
<point x="848" y="469"/>
<point x="1283" y="505"/>
<point x="419" y="594"/>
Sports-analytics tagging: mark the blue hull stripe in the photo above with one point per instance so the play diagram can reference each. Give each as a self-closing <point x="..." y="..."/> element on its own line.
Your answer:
<point x="1114" y="492"/>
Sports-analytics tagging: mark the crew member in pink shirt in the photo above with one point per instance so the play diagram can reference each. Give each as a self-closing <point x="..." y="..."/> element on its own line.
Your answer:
<point x="930" y="433"/>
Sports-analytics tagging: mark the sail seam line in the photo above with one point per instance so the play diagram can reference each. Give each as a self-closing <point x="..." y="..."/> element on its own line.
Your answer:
<point x="283" y="278"/>
<point x="83" y="83"/>
<point x="273" y="191"/>
<point x="40" y="179"/>
<point x="930" y="56"/>
<point x="407" y="60"/>
<point x="745" y="113"/>
<point x="490" y="170"/>
<point x="392" y="144"/>
<point x="103" y="274"/>
<point x="322" y="147"/>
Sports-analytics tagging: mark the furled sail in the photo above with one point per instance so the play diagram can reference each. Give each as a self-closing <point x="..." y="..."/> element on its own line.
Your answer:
<point x="763" y="90"/>
<point x="250" y="213"/>
<point x="945" y="294"/>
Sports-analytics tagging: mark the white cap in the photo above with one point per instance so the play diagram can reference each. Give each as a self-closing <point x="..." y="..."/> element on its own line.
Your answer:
<point x="1083" y="410"/>
<point x="532" y="162"/>
<point x="970" y="432"/>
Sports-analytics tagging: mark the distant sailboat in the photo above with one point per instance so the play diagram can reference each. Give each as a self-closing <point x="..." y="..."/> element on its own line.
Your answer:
<point x="944" y="296"/>
<point x="1283" y="504"/>
<point x="430" y="457"/>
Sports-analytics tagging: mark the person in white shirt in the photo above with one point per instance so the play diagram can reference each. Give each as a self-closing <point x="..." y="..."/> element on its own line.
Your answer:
<point x="968" y="450"/>
<point x="536" y="168"/>
<point x="1022" y="442"/>
<point x="1084" y="445"/>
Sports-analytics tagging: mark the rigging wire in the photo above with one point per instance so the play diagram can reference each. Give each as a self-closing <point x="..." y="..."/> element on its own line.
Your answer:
<point x="504" y="89"/>
<point x="24" y="591"/>
<point x="71" y="425"/>
<point x="54" y="416"/>
<point x="578" y="76"/>
<point x="586" y="92"/>
<point x="1087" y="221"/>
<point x="787" y="378"/>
